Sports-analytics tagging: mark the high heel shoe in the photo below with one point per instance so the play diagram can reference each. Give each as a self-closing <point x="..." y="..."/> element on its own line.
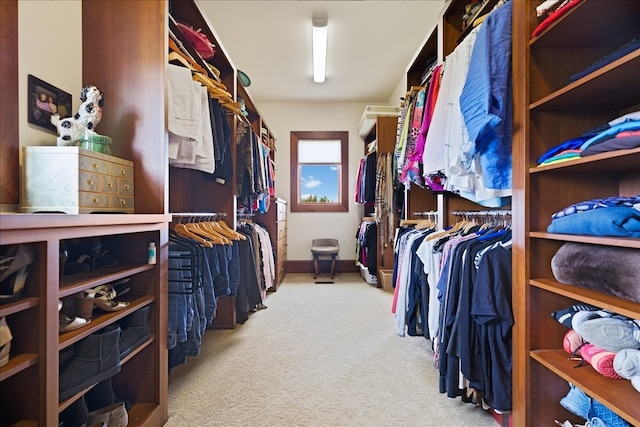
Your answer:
<point x="5" y="342"/>
<point x="13" y="271"/>
<point x="17" y="256"/>
<point x="104" y="298"/>
<point x="68" y="323"/>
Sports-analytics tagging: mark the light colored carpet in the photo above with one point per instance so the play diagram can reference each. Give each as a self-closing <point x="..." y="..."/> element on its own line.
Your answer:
<point x="319" y="355"/>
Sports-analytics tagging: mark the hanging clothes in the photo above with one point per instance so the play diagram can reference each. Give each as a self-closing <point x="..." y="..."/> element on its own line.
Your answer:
<point x="454" y="287"/>
<point x="366" y="247"/>
<point x="468" y="143"/>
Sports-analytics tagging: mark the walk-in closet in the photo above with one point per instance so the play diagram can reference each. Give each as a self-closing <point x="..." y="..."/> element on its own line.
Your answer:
<point x="157" y="223"/>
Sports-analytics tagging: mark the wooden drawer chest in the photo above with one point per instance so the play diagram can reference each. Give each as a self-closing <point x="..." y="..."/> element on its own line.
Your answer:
<point x="74" y="180"/>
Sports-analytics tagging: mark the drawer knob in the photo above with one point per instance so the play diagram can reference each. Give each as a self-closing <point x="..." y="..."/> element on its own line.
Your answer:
<point x="123" y="202"/>
<point x="110" y="185"/>
<point x="123" y="172"/>
<point x="95" y="200"/>
<point x="90" y="181"/>
<point x="127" y="187"/>
<point x="96" y="166"/>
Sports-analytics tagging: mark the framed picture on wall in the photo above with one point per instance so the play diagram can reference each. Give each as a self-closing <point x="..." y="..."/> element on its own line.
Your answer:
<point x="44" y="100"/>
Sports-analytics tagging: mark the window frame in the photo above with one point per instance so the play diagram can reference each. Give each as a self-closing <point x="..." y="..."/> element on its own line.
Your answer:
<point x="343" y="205"/>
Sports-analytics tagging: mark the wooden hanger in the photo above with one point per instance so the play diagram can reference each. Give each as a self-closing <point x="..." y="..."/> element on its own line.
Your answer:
<point x="182" y="230"/>
<point x="194" y="65"/>
<point x="199" y="229"/>
<point x="213" y="229"/>
<point x="224" y="225"/>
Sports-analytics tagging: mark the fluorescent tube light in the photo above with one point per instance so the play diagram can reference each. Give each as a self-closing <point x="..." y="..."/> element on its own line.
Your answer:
<point x="319" y="49"/>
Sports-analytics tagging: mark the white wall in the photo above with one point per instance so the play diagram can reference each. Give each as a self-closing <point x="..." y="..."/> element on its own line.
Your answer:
<point x="302" y="227"/>
<point x="398" y="92"/>
<point x="50" y="48"/>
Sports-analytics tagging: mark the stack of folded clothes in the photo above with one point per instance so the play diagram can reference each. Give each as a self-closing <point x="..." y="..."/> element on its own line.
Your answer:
<point x="621" y="133"/>
<point x="611" y="216"/>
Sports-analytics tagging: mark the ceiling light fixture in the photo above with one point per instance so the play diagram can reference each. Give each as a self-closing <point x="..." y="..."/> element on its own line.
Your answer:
<point x="319" y="48"/>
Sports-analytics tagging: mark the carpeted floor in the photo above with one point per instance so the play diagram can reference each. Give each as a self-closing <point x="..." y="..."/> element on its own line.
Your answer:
<point x="319" y="355"/>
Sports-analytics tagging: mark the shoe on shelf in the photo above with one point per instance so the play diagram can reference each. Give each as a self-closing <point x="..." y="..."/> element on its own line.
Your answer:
<point x="627" y="363"/>
<point x="113" y="416"/>
<point x="104" y="298"/>
<point x="565" y="315"/>
<point x="67" y="323"/>
<point x="14" y="270"/>
<point x="601" y="360"/>
<point x="614" y="333"/>
<point x="121" y="287"/>
<point x="14" y="259"/>
<point x="576" y="402"/>
<point x="135" y="330"/>
<point x="5" y="342"/>
<point x="95" y="358"/>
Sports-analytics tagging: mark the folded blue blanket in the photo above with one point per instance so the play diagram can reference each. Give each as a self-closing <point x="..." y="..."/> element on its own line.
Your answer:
<point x="617" y="221"/>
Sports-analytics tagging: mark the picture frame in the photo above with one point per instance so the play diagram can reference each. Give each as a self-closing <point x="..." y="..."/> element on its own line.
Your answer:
<point x="44" y="100"/>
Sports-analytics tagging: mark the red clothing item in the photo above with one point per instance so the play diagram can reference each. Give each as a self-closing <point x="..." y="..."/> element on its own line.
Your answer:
<point x="554" y="16"/>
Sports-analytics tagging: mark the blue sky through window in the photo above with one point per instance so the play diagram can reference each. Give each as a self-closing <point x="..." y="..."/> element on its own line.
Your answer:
<point x="321" y="181"/>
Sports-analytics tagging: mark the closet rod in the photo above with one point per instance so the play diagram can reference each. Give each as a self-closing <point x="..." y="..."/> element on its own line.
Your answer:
<point x="482" y="213"/>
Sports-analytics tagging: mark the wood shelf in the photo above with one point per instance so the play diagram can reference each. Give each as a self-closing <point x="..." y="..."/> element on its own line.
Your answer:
<point x="19" y="305"/>
<point x="611" y="393"/>
<point x="79" y="282"/>
<point x="17" y="364"/>
<point x="101" y="319"/>
<point x="608" y="302"/>
<point x="622" y="242"/>
<point x="608" y="87"/>
<point x="622" y="160"/>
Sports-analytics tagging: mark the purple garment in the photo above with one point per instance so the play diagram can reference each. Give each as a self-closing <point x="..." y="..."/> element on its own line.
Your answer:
<point x="618" y="53"/>
<point x="432" y="95"/>
<point x="613" y="144"/>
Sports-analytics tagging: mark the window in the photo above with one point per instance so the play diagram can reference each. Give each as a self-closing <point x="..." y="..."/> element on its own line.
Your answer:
<point x="319" y="168"/>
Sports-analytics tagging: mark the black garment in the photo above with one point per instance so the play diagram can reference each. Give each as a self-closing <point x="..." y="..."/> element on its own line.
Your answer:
<point x="371" y="248"/>
<point x="370" y="179"/>
<point x="417" y="291"/>
<point x="222" y="144"/>
<point x="248" y="296"/>
<point x="244" y="165"/>
<point x="491" y="310"/>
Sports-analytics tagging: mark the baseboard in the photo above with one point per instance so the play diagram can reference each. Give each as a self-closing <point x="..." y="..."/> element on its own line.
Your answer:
<point x="324" y="266"/>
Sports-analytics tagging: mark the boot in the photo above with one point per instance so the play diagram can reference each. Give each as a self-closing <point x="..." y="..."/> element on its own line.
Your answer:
<point x="135" y="330"/>
<point x="75" y="415"/>
<point x="96" y="358"/>
<point x="112" y="416"/>
<point x="100" y="396"/>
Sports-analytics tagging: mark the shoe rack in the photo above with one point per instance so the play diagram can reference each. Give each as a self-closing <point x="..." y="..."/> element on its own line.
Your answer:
<point x="548" y="111"/>
<point x="29" y="382"/>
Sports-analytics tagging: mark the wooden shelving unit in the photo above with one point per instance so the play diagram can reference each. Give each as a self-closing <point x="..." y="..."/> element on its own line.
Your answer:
<point x="130" y="66"/>
<point x="551" y="111"/>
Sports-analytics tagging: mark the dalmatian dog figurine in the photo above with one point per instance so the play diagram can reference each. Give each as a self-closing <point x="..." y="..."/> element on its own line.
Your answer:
<point x="86" y="119"/>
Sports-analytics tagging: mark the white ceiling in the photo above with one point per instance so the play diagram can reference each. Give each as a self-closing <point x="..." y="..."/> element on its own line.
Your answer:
<point x="371" y="43"/>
